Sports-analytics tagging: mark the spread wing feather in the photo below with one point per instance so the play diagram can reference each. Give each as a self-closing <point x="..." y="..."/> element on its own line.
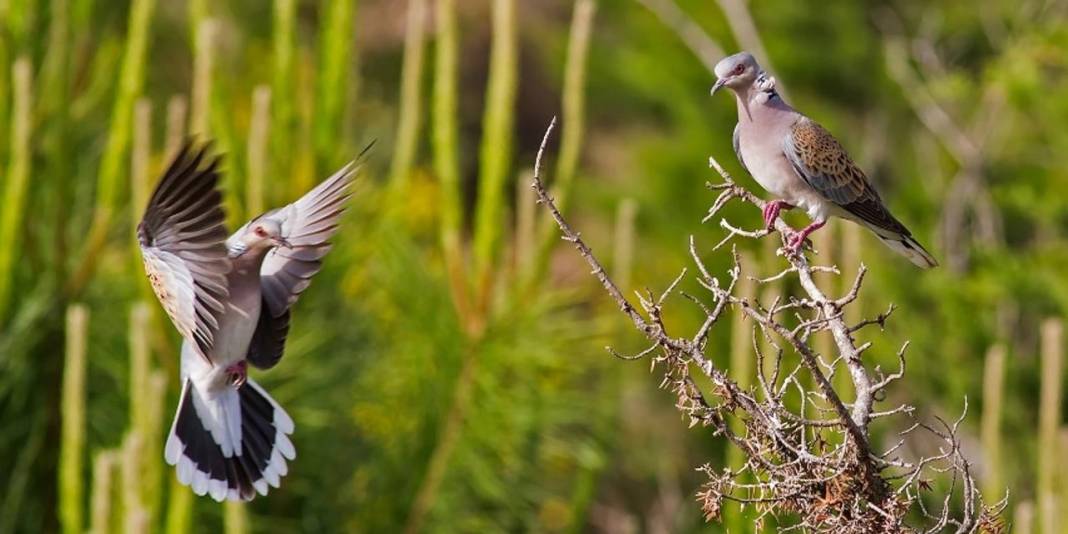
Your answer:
<point x="308" y="224"/>
<point x="182" y="240"/>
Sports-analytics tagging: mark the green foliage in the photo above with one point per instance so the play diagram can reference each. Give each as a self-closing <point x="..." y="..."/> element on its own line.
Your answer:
<point x="432" y="386"/>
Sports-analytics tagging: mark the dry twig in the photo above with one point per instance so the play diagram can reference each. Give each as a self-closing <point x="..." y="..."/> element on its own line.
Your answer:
<point x="814" y="468"/>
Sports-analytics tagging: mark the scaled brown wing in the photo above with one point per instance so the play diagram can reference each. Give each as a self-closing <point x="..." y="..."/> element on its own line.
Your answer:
<point x="308" y="224"/>
<point x="822" y="162"/>
<point x="182" y="240"/>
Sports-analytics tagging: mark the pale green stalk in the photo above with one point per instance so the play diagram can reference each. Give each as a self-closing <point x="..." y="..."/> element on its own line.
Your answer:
<point x="100" y="507"/>
<point x="139" y="363"/>
<point x="285" y="13"/>
<point x="235" y="515"/>
<point x="740" y="368"/>
<point x="179" y="508"/>
<point x="990" y="427"/>
<point x="203" y="69"/>
<point x="140" y="157"/>
<point x="72" y="411"/>
<point x="623" y="242"/>
<point x="411" y="82"/>
<point x="18" y="174"/>
<point x="109" y="177"/>
<point x="446" y="166"/>
<point x="258" y="130"/>
<point x="155" y="413"/>
<point x="134" y="517"/>
<point x="335" y="59"/>
<point x="574" y="125"/>
<point x="54" y="114"/>
<point x="495" y="154"/>
<point x="525" y="220"/>
<point x="1049" y="419"/>
<point x="176" y="112"/>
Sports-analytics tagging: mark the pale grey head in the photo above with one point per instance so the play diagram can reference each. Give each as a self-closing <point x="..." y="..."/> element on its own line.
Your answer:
<point x="263" y="233"/>
<point x="736" y="72"/>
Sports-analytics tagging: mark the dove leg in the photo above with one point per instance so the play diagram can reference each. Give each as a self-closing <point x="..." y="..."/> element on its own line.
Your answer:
<point x="238" y="373"/>
<point x="771" y="212"/>
<point x="797" y="240"/>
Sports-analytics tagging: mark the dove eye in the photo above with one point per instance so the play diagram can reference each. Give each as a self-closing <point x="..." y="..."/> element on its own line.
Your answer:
<point x="739" y="69"/>
<point x="260" y="231"/>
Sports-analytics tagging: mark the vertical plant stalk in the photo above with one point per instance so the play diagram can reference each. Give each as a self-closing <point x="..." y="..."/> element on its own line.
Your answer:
<point x="258" y="130"/>
<point x="623" y="246"/>
<point x="152" y="475"/>
<point x="109" y="177"/>
<point x="140" y="156"/>
<point x="72" y="439"/>
<point x="1049" y="419"/>
<point x="18" y="174"/>
<point x="100" y="515"/>
<point x="990" y="426"/>
<point x="411" y="83"/>
<point x="495" y="153"/>
<point x="285" y="13"/>
<point x="139" y="365"/>
<point x="446" y="151"/>
<point x="235" y="517"/>
<point x="179" y="508"/>
<point x="203" y="69"/>
<point x="741" y="370"/>
<point x="525" y="221"/>
<point x="574" y="121"/>
<point x="135" y="519"/>
<point x="335" y="61"/>
<point x="177" y="108"/>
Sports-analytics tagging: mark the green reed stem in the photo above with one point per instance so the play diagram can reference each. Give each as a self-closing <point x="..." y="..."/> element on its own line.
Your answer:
<point x="100" y="507"/>
<point x="177" y="108"/>
<point x="72" y="411"/>
<point x="235" y="518"/>
<point x="154" y="415"/>
<point x="18" y="174"/>
<point x="411" y="83"/>
<point x="740" y="368"/>
<point x="258" y="135"/>
<point x="1049" y="420"/>
<point x="109" y="177"/>
<point x="495" y="154"/>
<point x="285" y="13"/>
<point x="335" y="59"/>
<point x="179" y="508"/>
<point x="446" y="151"/>
<point x="990" y="426"/>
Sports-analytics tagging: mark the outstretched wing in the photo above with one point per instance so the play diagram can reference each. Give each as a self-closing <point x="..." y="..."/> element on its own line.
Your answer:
<point x="821" y="161"/>
<point x="308" y="224"/>
<point x="182" y="244"/>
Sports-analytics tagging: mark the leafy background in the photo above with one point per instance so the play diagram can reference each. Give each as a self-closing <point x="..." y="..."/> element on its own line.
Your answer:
<point x="446" y="369"/>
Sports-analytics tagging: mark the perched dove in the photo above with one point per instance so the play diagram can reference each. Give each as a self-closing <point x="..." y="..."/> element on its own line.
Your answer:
<point x="230" y="298"/>
<point x="795" y="159"/>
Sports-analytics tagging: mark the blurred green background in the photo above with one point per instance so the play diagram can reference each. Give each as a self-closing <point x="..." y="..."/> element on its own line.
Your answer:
<point x="446" y="370"/>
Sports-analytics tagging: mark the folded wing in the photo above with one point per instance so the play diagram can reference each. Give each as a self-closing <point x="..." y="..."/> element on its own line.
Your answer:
<point x="182" y="238"/>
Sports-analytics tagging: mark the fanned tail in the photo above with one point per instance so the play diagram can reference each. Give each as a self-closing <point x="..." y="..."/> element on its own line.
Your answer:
<point x="230" y="445"/>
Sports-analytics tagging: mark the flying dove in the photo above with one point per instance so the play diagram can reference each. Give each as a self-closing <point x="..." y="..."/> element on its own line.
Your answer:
<point x="798" y="161"/>
<point x="230" y="298"/>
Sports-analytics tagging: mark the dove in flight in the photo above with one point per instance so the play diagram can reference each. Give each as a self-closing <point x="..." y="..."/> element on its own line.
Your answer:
<point x="798" y="161"/>
<point x="230" y="298"/>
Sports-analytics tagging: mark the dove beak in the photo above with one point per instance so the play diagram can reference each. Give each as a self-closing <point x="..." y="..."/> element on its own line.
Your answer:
<point x="282" y="242"/>
<point x="719" y="84"/>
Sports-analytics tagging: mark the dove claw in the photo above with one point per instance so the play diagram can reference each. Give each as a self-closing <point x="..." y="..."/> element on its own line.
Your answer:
<point x="795" y="241"/>
<point x="237" y="373"/>
<point x="771" y="210"/>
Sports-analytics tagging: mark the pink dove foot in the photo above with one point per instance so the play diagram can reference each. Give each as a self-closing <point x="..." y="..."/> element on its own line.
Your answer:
<point x="796" y="241"/>
<point x="238" y="373"/>
<point x="771" y="212"/>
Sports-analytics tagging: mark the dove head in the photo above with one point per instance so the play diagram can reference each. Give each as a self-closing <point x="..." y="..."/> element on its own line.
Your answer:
<point x="737" y="72"/>
<point x="264" y="233"/>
